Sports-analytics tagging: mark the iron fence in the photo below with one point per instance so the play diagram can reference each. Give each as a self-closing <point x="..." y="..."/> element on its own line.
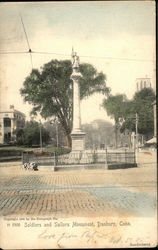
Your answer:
<point x="121" y="157"/>
<point x="82" y="158"/>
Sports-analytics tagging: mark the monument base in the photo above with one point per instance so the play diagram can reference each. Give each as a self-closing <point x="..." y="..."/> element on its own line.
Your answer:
<point x="78" y="141"/>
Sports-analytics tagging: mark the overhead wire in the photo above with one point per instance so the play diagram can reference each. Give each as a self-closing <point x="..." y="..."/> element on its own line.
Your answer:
<point x="50" y="53"/>
<point x="83" y="56"/>
<point x="67" y="55"/>
<point x="29" y="51"/>
<point x="97" y="57"/>
<point x="116" y="58"/>
<point x="25" y="32"/>
<point x="14" y="52"/>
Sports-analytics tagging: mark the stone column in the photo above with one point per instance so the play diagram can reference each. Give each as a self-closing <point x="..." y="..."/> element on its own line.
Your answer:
<point x="78" y="137"/>
<point x="76" y="103"/>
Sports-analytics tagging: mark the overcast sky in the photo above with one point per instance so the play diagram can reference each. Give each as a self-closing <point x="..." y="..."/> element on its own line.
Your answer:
<point x="118" y="38"/>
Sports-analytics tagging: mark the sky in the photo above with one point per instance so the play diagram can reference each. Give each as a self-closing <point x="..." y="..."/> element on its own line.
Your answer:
<point x="116" y="37"/>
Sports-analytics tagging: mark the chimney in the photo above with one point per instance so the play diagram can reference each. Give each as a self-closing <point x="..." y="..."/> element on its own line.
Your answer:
<point x="12" y="107"/>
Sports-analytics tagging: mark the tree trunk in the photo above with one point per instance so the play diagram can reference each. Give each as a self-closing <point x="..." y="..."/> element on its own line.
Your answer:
<point x="68" y="140"/>
<point x="67" y="130"/>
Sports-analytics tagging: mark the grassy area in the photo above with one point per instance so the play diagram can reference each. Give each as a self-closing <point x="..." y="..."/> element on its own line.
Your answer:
<point x="15" y="148"/>
<point x="47" y="149"/>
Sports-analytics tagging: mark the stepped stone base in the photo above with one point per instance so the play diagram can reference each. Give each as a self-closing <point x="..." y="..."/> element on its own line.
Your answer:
<point x="79" y="157"/>
<point x="78" y="141"/>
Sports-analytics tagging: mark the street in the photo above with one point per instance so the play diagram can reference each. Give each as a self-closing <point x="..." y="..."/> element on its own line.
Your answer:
<point x="123" y="192"/>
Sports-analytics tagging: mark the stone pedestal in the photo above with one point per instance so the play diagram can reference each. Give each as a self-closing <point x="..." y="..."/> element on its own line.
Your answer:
<point x="78" y="141"/>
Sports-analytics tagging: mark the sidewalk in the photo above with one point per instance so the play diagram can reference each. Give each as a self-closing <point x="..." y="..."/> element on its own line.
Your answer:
<point x="10" y="163"/>
<point x="146" y="158"/>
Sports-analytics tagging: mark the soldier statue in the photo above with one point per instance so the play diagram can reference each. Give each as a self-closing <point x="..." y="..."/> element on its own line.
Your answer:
<point x="75" y="60"/>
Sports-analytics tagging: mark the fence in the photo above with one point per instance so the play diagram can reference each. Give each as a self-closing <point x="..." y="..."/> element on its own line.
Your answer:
<point x="82" y="158"/>
<point x="121" y="157"/>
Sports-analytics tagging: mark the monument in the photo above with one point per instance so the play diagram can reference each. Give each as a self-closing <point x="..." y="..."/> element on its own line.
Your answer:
<point x="78" y="137"/>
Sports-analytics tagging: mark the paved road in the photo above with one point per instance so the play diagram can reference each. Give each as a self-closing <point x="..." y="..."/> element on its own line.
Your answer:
<point x="128" y="192"/>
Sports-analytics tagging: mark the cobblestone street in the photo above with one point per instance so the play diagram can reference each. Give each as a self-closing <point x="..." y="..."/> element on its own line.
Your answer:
<point x="127" y="192"/>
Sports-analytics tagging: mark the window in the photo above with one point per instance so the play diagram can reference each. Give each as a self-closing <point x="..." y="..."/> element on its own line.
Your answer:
<point x="7" y="122"/>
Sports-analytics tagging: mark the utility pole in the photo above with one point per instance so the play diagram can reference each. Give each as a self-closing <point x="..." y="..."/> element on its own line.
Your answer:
<point x="57" y="136"/>
<point x="136" y="131"/>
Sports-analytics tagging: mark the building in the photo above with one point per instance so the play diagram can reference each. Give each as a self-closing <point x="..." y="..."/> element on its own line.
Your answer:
<point x="10" y="121"/>
<point x="142" y="83"/>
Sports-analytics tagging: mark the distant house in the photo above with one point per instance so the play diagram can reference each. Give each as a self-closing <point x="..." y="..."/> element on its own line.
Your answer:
<point x="10" y="121"/>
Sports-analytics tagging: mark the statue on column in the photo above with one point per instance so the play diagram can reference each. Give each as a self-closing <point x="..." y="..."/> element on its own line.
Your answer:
<point x="75" y="60"/>
<point x="78" y="137"/>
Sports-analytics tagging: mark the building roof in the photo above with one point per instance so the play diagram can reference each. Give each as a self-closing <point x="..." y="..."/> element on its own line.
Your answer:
<point x="13" y="111"/>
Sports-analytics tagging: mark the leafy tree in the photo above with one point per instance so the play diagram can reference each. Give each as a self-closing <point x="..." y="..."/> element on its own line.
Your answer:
<point x="19" y="136"/>
<point x="55" y="130"/>
<point x="142" y="104"/>
<point x="30" y="135"/>
<point x="50" y="90"/>
<point x="123" y="111"/>
<point x="115" y="107"/>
